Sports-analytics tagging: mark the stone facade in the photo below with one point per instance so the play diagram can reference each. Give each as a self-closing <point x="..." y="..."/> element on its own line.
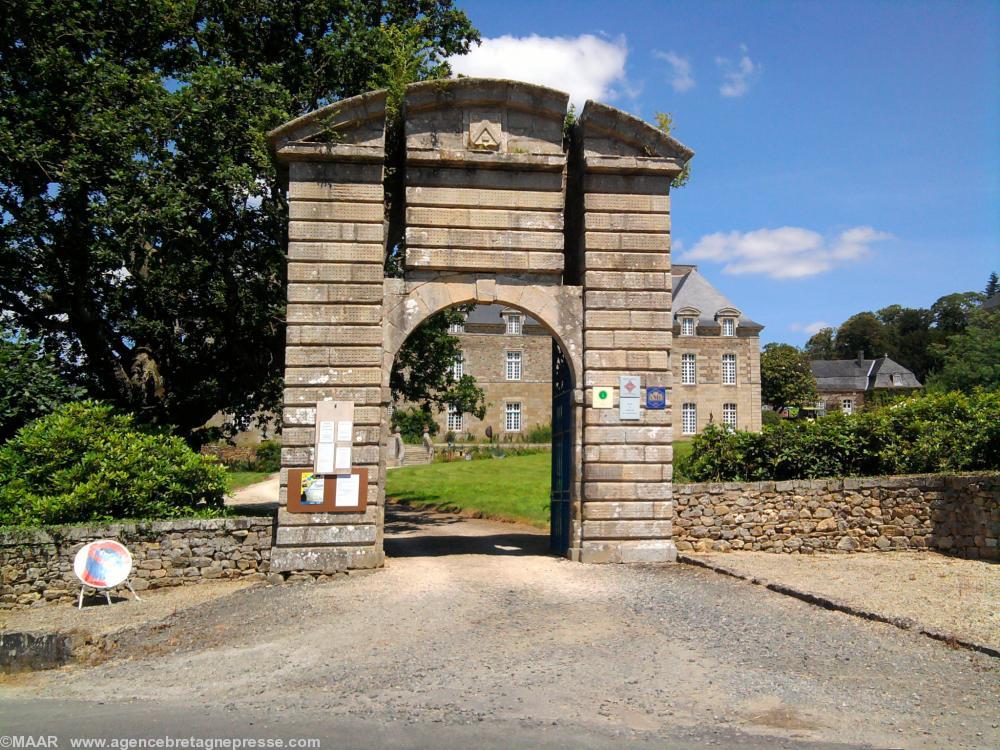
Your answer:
<point x="36" y="566"/>
<point x="498" y="206"/>
<point x="959" y="515"/>
<point x="486" y="344"/>
<point x="709" y="394"/>
<point x="484" y="348"/>
<point x="834" y="401"/>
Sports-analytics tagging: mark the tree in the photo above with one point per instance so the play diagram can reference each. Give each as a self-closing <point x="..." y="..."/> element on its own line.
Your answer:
<point x="993" y="285"/>
<point x="820" y="345"/>
<point x="143" y="226"/>
<point x="908" y="337"/>
<point x="971" y="359"/>
<point x="786" y="379"/>
<point x="30" y="384"/>
<point x="860" y="333"/>
<point x="950" y="314"/>
<point x="423" y="372"/>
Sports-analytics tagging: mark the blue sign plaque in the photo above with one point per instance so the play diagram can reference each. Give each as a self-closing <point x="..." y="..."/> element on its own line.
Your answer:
<point x="656" y="397"/>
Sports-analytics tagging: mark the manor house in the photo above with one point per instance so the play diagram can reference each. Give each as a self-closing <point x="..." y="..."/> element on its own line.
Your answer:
<point x="715" y="365"/>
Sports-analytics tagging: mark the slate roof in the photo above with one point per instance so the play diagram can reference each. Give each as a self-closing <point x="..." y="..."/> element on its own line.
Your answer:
<point x="691" y="289"/>
<point x="490" y="314"/>
<point x="862" y="374"/>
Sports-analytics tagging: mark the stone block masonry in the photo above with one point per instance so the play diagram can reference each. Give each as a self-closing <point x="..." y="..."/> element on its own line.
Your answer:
<point x="622" y="225"/>
<point x="36" y="565"/>
<point x="480" y="199"/>
<point x="958" y="515"/>
<point x="336" y="252"/>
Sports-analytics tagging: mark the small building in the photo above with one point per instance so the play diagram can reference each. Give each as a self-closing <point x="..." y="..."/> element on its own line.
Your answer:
<point x="845" y="384"/>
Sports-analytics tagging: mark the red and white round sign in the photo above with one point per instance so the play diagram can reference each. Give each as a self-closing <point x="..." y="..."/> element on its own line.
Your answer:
<point x="102" y="564"/>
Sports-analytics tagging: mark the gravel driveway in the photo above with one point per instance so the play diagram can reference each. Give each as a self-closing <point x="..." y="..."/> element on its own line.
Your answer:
<point x="473" y="626"/>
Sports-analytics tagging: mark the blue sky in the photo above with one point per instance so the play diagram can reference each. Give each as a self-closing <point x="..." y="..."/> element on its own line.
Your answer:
<point x="847" y="154"/>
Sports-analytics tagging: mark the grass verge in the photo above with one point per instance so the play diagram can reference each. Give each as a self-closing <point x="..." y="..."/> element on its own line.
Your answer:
<point x="515" y="488"/>
<point x="240" y="479"/>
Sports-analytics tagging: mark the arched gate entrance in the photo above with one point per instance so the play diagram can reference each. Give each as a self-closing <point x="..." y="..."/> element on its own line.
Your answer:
<point x="499" y="202"/>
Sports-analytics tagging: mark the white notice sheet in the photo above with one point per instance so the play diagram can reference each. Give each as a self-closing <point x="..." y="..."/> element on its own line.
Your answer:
<point x="324" y="458"/>
<point x="343" y="459"/>
<point x="348" y="490"/>
<point x="326" y="432"/>
<point x="344" y="430"/>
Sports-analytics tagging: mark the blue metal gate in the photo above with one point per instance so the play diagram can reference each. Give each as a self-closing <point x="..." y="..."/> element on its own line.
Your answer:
<point x="562" y="452"/>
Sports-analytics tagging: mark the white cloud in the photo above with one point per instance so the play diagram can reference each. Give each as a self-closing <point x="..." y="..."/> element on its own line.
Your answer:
<point x="810" y="328"/>
<point x="681" y="77"/>
<point x="737" y="75"/>
<point x="586" y="66"/>
<point x="784" y="253"/>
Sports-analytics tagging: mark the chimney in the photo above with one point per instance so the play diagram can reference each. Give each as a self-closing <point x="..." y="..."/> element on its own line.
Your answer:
<point x="861" y="356"/>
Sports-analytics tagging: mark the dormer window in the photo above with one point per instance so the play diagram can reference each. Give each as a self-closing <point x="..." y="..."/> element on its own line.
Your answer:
<point x="728" y="326"/>
<point x="514" y="324"/>
<point x="687" y="326"/>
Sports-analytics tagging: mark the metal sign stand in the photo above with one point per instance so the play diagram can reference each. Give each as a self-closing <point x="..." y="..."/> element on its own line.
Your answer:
<point x="107" y="593"/>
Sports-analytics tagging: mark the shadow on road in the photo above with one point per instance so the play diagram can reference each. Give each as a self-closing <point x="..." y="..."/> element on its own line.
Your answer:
<point x="413" y="532"/>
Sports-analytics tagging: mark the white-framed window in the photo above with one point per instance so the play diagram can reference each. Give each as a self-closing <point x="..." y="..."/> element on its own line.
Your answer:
<point x="847" y="405"/>
<point x="457" y="327"/>
<point x="729" y="369"/>
<point x="728" y="326"/>
<point x="729" y="415"/>
<point x="458" y="367"/>
<point x="689" y="419"/>
<point x="513" y="365"/>
<point x="512" y="416"/>
<point x="455" y="420"/>
<point x="687" y="326"/>
<point x="514" y="324"/>
<point x="688" y="372"/>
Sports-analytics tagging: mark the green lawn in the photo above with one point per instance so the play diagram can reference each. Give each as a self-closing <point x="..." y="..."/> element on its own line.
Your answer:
<point x="681" y="448"/>
<point x="515" y="488"/>
<point x="240" y="479"/>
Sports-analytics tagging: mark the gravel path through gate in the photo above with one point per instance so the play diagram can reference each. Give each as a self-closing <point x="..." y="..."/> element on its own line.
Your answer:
<point x="473" y="625"/>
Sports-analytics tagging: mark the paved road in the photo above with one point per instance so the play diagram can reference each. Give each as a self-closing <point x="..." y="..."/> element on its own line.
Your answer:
<point x="474" y="636"/>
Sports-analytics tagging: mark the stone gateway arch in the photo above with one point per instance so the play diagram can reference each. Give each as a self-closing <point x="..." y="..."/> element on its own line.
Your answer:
<point x="503" y="203"/>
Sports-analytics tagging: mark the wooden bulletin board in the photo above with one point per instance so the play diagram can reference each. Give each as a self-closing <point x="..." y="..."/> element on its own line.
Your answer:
<point x="328" y="504"/>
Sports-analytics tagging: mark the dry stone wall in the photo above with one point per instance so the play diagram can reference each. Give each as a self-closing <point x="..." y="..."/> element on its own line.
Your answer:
<point x="36" y="565"/>
<point x="958" y="515"/>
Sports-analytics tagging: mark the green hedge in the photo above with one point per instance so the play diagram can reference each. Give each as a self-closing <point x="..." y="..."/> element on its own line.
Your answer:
<point x="922" y="434"/>
<point x="83" y="463"/>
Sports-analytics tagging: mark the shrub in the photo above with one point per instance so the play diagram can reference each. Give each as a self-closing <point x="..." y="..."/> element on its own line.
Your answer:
<point x="85" y="463"/>
<point x="268" y="457"/>
<point x="921" y="434"/>
<point x="770" y="416"/>
<point x="540" y="433"/>
<point x="412" y="422"/>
